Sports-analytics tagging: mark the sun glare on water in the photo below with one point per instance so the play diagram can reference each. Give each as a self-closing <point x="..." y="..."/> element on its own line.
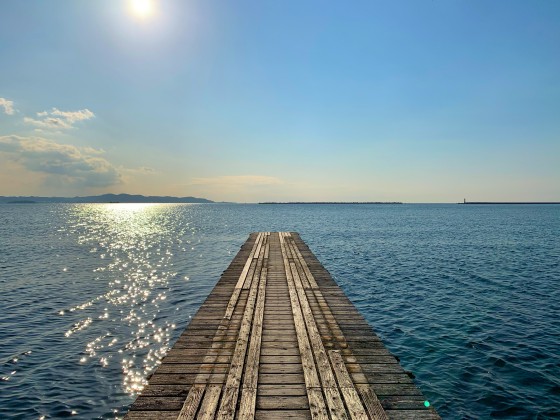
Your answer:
<point x="142" y="9"/>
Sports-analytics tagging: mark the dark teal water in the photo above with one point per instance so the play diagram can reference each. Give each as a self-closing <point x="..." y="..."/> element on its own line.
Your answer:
<point x="92" y="296"/>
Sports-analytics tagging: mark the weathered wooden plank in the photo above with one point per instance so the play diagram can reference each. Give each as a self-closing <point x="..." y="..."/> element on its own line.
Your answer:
<point x="333" y="400"/>
<point x="250" y="275"/>
<point x="284" y="402"/>
<point x="186" y="378"/>
<point x="248" y="403"/>
<point x="317" y="404"/>
<point x="381" y="390"/>
<point x="151" y="415"/>
<point x="308" y="275"/>
<point x="411" y="414"/>
<point x="282" y="390"/>
<point x="253" y="359"/>
<point x="157" y="403"/>
<point x="398" y="402"/>
<point x="233" y="301"/>
<point x="281" y="368"/>
<point x="229" y="402"/>
<point x="264" y="359"/>
<point x="259" y="259"/>
<point x="351" y="397"/>
<point x="190" y="406"/>
<point x="267" y="250"/>
<point x="209" y="402"/>
<point x="250" y="381"/>
<point x="193" y="368"/>
<point x="282" y="415"/>
<point x="309" y="369"/>
<point x="332" y="395"/>
<point x="263" y="237"/>
<point x="166" y="391"/>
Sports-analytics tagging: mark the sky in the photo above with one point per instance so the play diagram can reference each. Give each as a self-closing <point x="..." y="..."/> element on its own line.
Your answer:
<point x="247" y="101"/>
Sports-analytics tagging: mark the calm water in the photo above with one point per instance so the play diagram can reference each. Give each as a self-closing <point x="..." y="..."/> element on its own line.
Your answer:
<point x="92" y="296"/>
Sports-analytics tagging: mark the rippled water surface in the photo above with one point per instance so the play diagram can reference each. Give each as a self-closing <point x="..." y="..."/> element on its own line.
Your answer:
<point x="92" y="296"/>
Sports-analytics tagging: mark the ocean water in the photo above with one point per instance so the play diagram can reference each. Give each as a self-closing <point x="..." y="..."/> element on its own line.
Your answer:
<point x="92" y="296"/>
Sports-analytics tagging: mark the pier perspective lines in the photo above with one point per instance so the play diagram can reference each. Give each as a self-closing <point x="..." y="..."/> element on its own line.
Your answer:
<point x="278" y="339"/>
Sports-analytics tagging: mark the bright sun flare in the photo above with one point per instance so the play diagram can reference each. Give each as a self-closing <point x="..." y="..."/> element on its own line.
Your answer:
<point x="142" y="8"/>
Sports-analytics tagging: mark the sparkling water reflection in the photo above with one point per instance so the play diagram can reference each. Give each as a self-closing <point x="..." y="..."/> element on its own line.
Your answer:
<point x="137" y="246"/>
<point x="94" y="295"/>
<point x="84" y="287"/>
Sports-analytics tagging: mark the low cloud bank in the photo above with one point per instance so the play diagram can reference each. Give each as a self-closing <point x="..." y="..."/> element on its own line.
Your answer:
<point x="82" y="167"/>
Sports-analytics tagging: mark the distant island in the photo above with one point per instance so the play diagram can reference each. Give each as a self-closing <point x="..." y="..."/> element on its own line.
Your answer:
<point x="509" y="202"/>
<point x="105" y="198"/>
<point x="333" y="202"/>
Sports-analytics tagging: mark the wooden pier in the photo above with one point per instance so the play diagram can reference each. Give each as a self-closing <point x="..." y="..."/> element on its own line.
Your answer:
<point x="278" y="339"/>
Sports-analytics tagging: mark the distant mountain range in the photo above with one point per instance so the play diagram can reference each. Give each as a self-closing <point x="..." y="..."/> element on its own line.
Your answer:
<point x="105" y="198"/>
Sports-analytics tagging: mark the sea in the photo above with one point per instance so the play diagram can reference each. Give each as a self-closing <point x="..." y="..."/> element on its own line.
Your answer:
<point x="92" y="296"/>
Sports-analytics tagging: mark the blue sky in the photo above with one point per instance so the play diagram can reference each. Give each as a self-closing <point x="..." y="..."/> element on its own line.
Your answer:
<point x="416" y="101"/>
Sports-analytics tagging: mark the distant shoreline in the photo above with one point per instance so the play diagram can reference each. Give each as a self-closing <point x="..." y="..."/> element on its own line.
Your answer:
<point x="104" y="198"/>
<point x="510" y="202"/>
<point x="332" y="202"/>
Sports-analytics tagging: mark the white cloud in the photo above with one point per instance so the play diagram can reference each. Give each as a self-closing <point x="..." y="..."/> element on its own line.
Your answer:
<point x="48" y="123"/>
<point x="238" y="180"/>
<point x="92" y="151"/>
<point x="63" y="163"/>
<point x="74" y="116"/>
<point x="56" y="119"/>
<point x="8" y="106"/>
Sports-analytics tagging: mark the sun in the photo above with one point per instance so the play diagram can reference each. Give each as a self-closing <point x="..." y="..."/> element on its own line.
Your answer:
<point x="142" y="9"/>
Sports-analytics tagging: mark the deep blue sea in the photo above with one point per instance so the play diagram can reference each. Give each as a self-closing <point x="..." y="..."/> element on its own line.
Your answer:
<point x="93" y="295"/>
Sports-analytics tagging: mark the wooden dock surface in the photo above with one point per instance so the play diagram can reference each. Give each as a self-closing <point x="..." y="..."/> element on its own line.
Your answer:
<point x="278" y="339"/>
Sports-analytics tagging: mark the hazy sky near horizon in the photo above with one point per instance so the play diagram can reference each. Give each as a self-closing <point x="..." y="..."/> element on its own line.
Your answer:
<point x="416" y="100"/>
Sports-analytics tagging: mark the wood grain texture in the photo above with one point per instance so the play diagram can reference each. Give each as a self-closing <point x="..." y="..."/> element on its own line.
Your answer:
<point x="278" y="339"/>
<point x="190" y="407"/>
